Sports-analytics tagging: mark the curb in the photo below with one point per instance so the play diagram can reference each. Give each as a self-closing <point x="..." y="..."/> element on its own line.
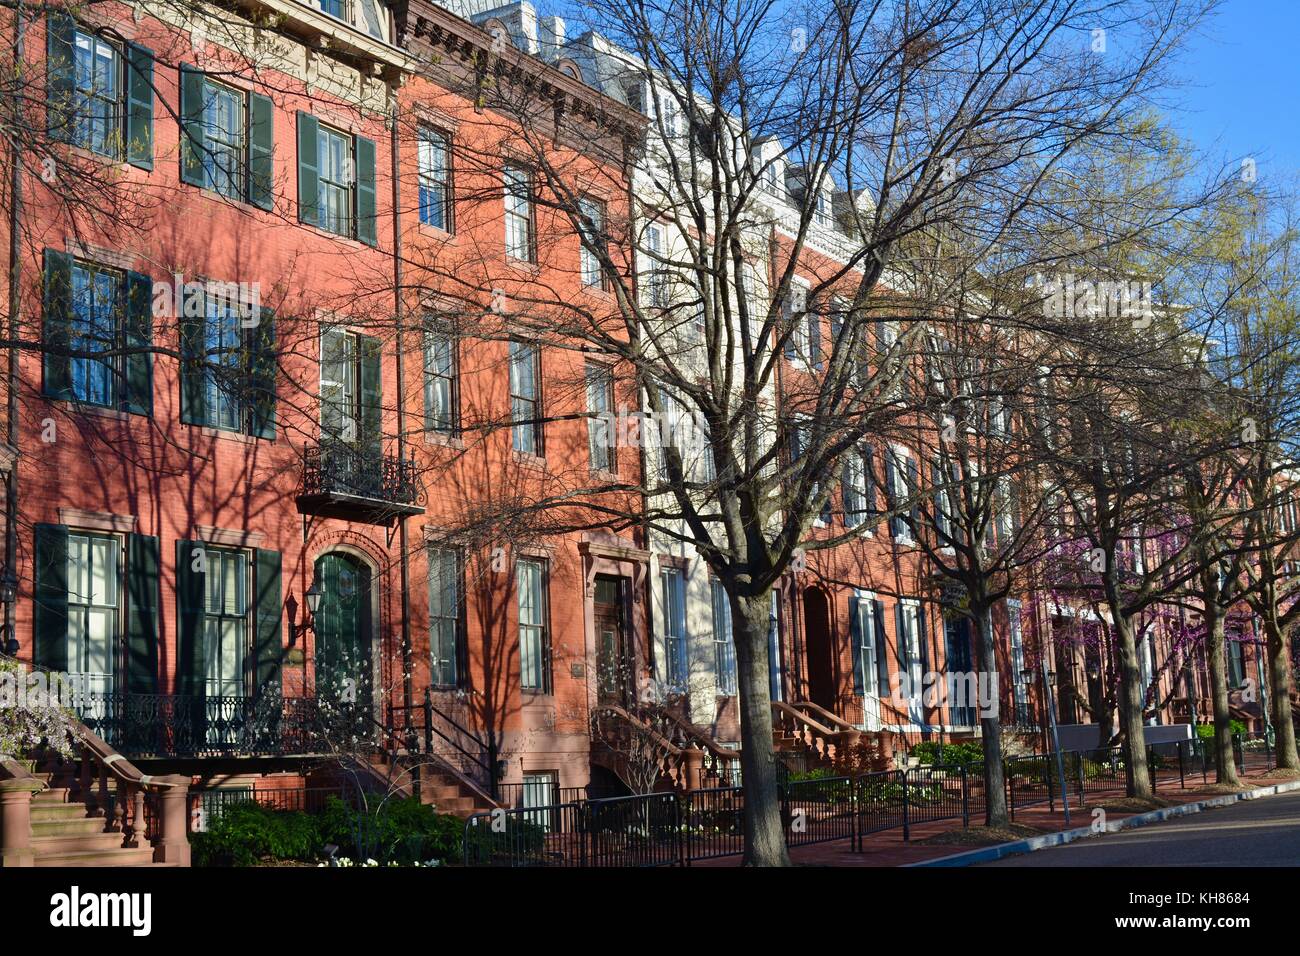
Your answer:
<point x="997" y="852"/>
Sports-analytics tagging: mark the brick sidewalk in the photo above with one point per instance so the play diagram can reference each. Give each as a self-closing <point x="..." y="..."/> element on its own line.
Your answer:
<point x="888" y="848"/>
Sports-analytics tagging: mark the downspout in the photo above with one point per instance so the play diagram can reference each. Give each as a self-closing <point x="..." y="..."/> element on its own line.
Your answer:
<point x="15" y="301"/>
<point x="403" y="558"/>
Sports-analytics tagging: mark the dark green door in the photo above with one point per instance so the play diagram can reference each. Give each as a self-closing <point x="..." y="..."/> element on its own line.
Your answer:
<point x="343" y="665"/>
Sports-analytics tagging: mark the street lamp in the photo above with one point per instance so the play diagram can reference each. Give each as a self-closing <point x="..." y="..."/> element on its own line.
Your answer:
<point x="313" y="598"/>
<point x="1049" y="704"/>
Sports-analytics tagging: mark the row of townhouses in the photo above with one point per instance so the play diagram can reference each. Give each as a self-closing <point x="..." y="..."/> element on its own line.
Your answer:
<point x="242" y="473"/>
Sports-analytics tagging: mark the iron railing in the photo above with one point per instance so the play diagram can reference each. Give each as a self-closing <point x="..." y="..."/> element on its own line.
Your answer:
<point x="359" y="471"/>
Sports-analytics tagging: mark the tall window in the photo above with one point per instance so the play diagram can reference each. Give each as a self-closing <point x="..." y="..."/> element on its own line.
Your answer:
<point x="673" y="583"/>
<point x="600" y="404"/>
<point x="592" y="243"/>
<point x="901" y="476"/>
<point x="93" y="603"/>
<point x="225" y="621"/>
<point x="1236" y="661"/>
<point x="525" y="403"/>
<point x="857" y="488"/>
<point x="822" y="208"/>
<point x="225" y="155"/>
<point x="440" y="398"/>
<point x="351" y="389"/>
<point x="435" y="179"/>
<point x="444" y="615"/>
<point x="655" y="284"/>
<point x="534" y="640"/>
<point x="724" y="643"/>
<point x="541" y="789"/>
<point x="1019" y="680"/>
<point x="519" y="214"/>
<point x="97" y="95"/>
<point x="337" y="181"/>
<point x="911" y="656"/>
<point x="97" y="306"/>
<point x="224" y="362"/>
<point x="862" y="626"/>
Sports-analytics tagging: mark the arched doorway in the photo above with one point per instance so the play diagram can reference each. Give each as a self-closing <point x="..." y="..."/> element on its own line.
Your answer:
<point x="819" y="648"/>
<point x="344" y="629"/>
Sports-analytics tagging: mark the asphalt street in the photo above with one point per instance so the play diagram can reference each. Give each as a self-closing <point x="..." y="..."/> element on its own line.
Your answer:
<point x="1263" y="832"/>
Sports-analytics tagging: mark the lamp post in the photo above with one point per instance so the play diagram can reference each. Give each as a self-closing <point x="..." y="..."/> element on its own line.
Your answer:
<point x="1049" y="704"/>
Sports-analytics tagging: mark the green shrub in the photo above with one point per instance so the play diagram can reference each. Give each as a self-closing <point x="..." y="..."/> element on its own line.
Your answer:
<point x="246" y="833"/>
<point x="1206" y="731"/>
<point x="962" y="754"/>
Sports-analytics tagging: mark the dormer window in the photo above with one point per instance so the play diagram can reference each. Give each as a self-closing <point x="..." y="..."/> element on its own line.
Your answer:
<point x="822" y="208"/>
<point x="364" y="15"/>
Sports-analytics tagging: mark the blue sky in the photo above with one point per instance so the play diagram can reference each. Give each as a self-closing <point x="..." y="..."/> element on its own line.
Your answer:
<point x="1241" y="85"/>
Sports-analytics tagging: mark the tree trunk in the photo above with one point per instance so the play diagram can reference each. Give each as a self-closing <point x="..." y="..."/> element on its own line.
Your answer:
<point x="1279" y="669"/>
<point x="764" y="833"/>
<point x="1137" y="775"/>
<point x="995" y="789"/>
<point x="1225" y="767"/>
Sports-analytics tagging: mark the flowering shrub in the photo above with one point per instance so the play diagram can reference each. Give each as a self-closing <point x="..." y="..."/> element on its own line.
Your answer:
<point x="30" y="714"/>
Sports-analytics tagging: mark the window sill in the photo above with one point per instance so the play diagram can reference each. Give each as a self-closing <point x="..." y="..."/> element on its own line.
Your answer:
<point x="442" y="440"/>
<point x="436" y="232"/>
<point x="338" y="236"/>
<point x="243" y="205"/>
<point x="100" y="411"/>
<point x="207" y="431"/>
<point x="602" y="474"/>
<point x="527" y="266"/>
<point x="527" y="458"/>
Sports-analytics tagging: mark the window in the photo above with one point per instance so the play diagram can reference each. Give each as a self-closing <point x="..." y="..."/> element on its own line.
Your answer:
<point x="93" y="603"/>
<point x="858" y="492"/>
<point x="444" y="616"/>
<point x="97" y="304"/>
<point x="656" y="285"/>
<point x="534" y="640"/>
<point x="441" y="396"/>
<point x="435" y="179"/>
<point x="541" y="789"/>
<point x="229" y="368"/>
<point x="901" y="484"/>
<point x="225" y="621"/>
<point x="519" y="214"/>
<point x="911" y="655"/>
<point x="822" y="208"/>
<point x="227" y="139"/>
<point x="225" y="157"/>
<point x="592" y="243"/>
<point x="724" y="644"/>
<point x="802" y="343"/>
<point x="337" y="181"/>
<point x="943" y="513"/>
<point x="673" y="584"/>
<point x="891" y="364"/>
<point x="223" y="336"/>
<point x="862" y="628"/>
<point x="351" y="389"/>
<point x="1236" y="661"/>
<point x="1019" y="680"/>
<point x="97" y="95"/>
<point x="336" y="8"/>
<point x="600" y="427"/>
<point x="525" y="404"/>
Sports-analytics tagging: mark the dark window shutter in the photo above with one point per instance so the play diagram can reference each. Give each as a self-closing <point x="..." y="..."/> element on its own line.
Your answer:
<point x="900" y="638"/>
<point x="308" y="169"/>
<point x="371" y="394"/>
<point x="57" y="323"/>
<point x="855" y="638"/>
<point x="59" y="31"/>
<point x="193" y="145"/>
<point x="815" y="339"/>
<point x="869" y="480"/>
<point x="891" y="493"/>
<point x="261" y="150"/>
<point x="787" y="308"/>
<point x="365" y="154"/>
<point x="190" y="591"/>
<point x="193" y="361"/>
<point x="137" y="396"/>
<point x="268" y="647"/>
<point x="262" y="378"/>
<point x="139" y="106"/>
<point x="921" y="638"/>
<point x="914" y="490"/>
<point x="882" y="659"/>
<point x="50" y="597"/>
<point x="143" y="562"/>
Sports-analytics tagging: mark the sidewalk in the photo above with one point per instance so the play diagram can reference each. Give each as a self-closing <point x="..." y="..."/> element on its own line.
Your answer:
<point x="888" y="848"/>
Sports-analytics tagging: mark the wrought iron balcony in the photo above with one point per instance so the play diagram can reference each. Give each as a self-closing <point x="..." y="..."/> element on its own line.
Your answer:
<point x="358" y="483"/>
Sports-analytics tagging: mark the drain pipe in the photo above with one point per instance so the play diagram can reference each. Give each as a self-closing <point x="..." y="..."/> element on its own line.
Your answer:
<point x="398" y="312"/>
<point x="10" y="644"/>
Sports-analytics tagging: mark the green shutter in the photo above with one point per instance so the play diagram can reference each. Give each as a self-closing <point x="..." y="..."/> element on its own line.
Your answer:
<point x="50" y="596"/>
<point x="921" y="643"/>
<point x="139" y="106"/>
<point x="191" y="123"/>
<point x="193" y="362"/>
<point x="190" y="592"/>
<point x="882" y="659"/>
<point x="261" y="150"/>
<point x="143" y="565"/>
<point x="268" y="648"/>
<point x="308" y="169"/>
<point x="855" y="638"/>
<point x="371" y="393"/>
<point x="137" y="396"/>
<point x="59" y="31"/>
<point x="262" y="374"/>
<point x="57" y="329"/>
<point x="365" y="153"/>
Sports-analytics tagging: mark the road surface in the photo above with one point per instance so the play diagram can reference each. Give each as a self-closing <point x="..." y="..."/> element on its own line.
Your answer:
<point x="1263" y="832"/>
